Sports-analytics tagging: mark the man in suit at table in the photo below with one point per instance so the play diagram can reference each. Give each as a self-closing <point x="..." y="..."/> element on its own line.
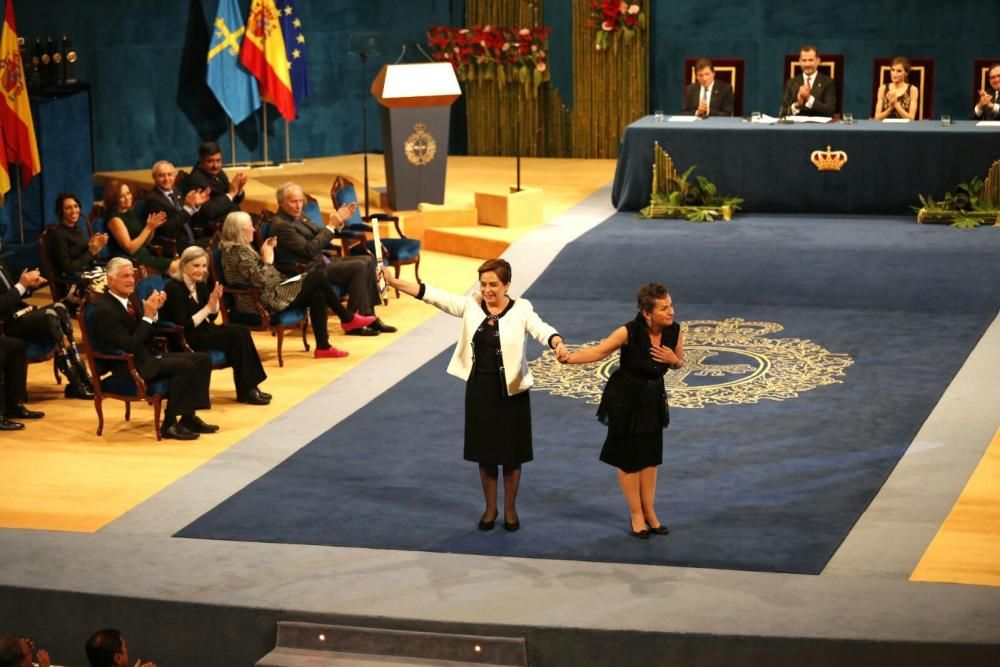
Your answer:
<point x="809" y="93"/>
<point x="988" y="105"/>
<point x="179" y="209"/>
<point x="122" y="323"/>
<point x="708" y="97"/>
<point x="224" y="196"/>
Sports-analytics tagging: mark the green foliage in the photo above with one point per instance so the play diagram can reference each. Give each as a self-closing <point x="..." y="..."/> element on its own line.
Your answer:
<point x="965" y="223"/>
<point x="965" y="197"/>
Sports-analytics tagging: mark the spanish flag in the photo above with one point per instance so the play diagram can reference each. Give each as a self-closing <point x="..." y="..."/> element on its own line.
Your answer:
<point x="263" y="53"/>
<point x="15" y="112"/>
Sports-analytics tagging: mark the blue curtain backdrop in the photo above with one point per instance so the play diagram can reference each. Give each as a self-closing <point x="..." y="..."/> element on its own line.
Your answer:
<point x="132" y="53"/>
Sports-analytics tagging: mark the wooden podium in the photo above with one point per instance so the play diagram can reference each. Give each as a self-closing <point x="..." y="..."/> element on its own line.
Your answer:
<point x="416" y="106"/>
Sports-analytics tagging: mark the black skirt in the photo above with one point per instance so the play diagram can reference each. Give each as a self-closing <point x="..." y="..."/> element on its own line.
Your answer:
<point x="497" y="426"/>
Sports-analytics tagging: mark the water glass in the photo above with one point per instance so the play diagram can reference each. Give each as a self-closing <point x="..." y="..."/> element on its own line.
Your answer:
<point x="946" y="120"/>
<point x="658" y="116"/>
<point x="848" y="118"/>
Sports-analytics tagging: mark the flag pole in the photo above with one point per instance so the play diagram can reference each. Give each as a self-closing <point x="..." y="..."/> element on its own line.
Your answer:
<point x="232" y="142"/>
<point x="264" y="131"/>
<point x="288" y="147"/>
<point x="20" y="206"/>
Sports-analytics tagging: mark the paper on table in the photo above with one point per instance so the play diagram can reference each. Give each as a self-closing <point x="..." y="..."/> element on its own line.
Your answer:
<point x="895" y="120"/>
<point x="682" y="119"/>
<point x="810" y="119"/>
<point x="765" y="120"/>
<point x="293" y="279"/>
<point x="988" y="123"/>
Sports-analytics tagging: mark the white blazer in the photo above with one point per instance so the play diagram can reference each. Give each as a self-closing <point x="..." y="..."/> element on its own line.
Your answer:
<point x="521" y="319"/>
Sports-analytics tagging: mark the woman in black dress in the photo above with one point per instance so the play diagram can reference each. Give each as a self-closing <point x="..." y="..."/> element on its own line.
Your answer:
<point x="191" y="302"/>
<point x="634" y="403"/>
<point x="490" y="357"/>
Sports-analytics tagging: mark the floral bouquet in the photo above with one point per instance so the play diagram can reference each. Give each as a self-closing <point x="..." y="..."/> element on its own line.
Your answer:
<point x="492" y="53"/>
<point x="613" y="17"/>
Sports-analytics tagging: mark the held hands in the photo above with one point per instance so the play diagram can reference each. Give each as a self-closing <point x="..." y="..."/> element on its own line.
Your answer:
<point x="154" y="220"/>
<point x="153" y="303"/>
<point x="562" y="353"/>
<point x="97" y="243"/>
<point x="30" y="279"/>
<point x="665" y="355"/>
<point x="214" y="298"/>
<point x="195" y="198"/>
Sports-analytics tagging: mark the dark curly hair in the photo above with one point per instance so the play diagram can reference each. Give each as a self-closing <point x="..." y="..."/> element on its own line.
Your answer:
<point x="648" y="295"/>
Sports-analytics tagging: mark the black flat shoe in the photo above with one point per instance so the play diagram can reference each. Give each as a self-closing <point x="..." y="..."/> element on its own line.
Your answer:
<point x="487" y="525"/>
<point x="363" y="331"/>
<point x="266" y="396"/>
<point x="255" y="397"/>
<point x="511" y="527"/>
<point x="658" y="530"/>
<point x="21" y="412"/>
<point x="8" y="425"/>
<point x="177" y="431"/>
<point x="381" y="327"/>
<point x="642" y="534"/>
<point x="195" y="424"/>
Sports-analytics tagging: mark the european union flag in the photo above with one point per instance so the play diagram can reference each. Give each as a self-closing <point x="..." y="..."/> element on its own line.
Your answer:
<point x="295" y="47"/>
<point x="234" y="87"/>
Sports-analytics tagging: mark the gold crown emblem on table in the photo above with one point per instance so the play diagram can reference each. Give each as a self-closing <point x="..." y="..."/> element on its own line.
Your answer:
<point x="828" y="160"/>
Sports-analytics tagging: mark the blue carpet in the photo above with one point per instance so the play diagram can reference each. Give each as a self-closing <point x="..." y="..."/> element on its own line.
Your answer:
<point x="770" y="485"/>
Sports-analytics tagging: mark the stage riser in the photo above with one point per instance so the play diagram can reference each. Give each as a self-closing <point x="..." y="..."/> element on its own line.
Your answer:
<point x="175" y="633"/>
<point x="454" y="242"/>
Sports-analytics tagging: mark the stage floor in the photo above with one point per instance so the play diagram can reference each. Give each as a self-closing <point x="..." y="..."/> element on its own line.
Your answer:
<point x="866" y="596"/>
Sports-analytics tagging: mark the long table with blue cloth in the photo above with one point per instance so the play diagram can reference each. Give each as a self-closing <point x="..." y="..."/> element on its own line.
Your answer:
<point x="769" y="166"/>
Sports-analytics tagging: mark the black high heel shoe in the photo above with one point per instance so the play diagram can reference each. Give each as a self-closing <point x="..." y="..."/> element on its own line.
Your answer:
<point x="642" y="534"/>
<point x="658" y="530"/>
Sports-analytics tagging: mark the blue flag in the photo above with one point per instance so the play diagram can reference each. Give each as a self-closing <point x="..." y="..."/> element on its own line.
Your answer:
<point x="295" y="47"/>
<point x="234" y="87"/>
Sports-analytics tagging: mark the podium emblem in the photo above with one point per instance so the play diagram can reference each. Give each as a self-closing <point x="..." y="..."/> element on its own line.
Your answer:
<point x="420" y="147"/>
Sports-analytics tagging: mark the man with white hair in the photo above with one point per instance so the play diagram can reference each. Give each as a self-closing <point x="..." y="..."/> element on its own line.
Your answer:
<point x="122" y="323"/>
<point x="300" y="240"/>
<point x="177" y="230"/>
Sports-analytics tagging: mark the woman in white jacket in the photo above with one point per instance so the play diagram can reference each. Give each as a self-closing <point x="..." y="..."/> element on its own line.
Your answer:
<point x="490" y="357"/>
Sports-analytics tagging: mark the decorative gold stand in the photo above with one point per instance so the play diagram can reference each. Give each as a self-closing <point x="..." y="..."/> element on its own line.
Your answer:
<point x="665" y="184"/>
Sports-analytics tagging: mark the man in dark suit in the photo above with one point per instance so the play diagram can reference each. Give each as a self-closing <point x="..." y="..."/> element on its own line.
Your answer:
<point x="224" y="197"/>
<point x="50" y="324"/>
<point x="176" y="232"/>
<point x="810" y="93"/>
<point x="13" y="384"/>
<point x="708" y="97"/>
<point x="121" y="323"/>
<point x="988" y="105"/>
<point x="301" y="241"/>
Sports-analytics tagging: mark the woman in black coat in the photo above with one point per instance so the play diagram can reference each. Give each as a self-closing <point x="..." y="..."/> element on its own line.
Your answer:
<point x="191" y="302"/>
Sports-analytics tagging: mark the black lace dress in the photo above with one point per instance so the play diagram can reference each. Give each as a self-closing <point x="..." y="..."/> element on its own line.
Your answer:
<point x="904" y="101"/>
<point x="497" y="426"/>
<point x="634" y="402"/>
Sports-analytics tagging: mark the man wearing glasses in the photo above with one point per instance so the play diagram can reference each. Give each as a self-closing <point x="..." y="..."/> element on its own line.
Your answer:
<point x="988" y="106"/>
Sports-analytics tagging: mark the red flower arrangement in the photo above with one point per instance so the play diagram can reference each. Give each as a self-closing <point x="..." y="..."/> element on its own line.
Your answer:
<point x="492" y="53"/>
<point x="614" y="17"/>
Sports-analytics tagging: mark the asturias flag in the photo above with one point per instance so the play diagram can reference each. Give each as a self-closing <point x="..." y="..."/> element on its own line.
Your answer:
<point x="15" y="112"/>
<point x="263" y="53"/>
<point x="234" y="87"/>
<point x="295" y="49"/>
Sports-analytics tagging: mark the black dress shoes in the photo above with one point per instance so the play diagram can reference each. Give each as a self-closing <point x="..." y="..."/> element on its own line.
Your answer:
<point x="641" y="534"/>
<point x="487" y="525"/>
<point x="255" y="397"/>
<point x="78" y="391"/>
<point x="658" y="530"/>
<point x="21" y="412"/>
<point x="381" y="327"/>
<point x="8" y="425"/>
<point x="196" y="425"/>
<point x="263" y="394"/>
<point x="177" y="431"/>
<point x="363" y="331"/>
<point x="511" y="527"/>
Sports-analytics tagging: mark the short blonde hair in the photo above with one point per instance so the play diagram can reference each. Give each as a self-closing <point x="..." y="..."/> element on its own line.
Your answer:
<point x="190" y="254"/>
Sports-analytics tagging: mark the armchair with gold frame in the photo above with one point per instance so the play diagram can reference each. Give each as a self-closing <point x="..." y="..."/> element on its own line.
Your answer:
<point x="921" y="76"/>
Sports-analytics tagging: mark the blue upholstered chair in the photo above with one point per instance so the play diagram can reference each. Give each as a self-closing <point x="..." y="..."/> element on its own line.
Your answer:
<point x="261" y="320"/>
<point x="134" y="389"/>
<point x="396" y="252"/>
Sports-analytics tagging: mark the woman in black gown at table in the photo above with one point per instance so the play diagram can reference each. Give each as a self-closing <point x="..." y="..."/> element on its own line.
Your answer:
<point x="191" y="302"/>
<point x="634" y="403"/>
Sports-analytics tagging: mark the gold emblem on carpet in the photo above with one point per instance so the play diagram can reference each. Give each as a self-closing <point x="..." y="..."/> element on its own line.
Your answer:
<point x="728" y="362"/>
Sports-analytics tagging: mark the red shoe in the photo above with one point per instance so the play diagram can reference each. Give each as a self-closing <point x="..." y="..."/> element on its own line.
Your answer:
<point x="358" y="322"/>
<point x="330" y="353"/>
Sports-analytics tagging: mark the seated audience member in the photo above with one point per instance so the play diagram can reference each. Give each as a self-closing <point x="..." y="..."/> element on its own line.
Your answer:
<point x="128" y="236"/>
<point x="107" y="648"/>
<point x="224" y="196"/>
<point x="51" y="323"/>
<point x="176" y="232"/>
<point x="242" y="264"/>
<point x="810" y="93"/>
<point x="74" y="256"/>
<point x="898" y="98"/>
<point x="13" y="384"/>
<point x="193" y="303"/>
<point x="988" y="105"/>
<point x="708" y="97"/>
<point x="301" y="241"/>
<point x="21" y="652"/>
<point x="122" y="323"/>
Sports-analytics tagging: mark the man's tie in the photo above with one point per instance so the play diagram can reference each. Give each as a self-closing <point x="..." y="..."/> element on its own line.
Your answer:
<point x="4" y="281"/>
<point x="175" y="200"/>
<point x="809" y="84"/>
<point x="130" y="307"/>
